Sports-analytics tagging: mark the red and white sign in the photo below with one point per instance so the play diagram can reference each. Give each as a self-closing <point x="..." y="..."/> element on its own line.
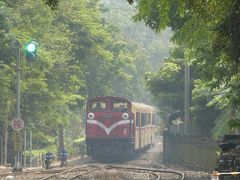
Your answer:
<point x="17" y="124"/>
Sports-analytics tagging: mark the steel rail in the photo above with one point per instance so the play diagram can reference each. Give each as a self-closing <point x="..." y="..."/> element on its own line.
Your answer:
<point x="137" y="171"/>
<point x="35" y="171"/>
<point x="66" y="171"/>
<point x="90" y="171"/>
<point x="182" y="176"/>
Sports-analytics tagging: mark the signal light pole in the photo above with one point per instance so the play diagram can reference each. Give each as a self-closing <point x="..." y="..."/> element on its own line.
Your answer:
<point x="18" y="124"/>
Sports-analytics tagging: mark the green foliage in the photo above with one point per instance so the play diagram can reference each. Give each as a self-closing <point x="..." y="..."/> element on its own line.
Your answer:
<point x="79" y="140"/>
<point x="201" y="95"/>
<point x="7" y="67"/>
<point x="167" y="86"/>
<point x="209" y="33"/>
<point x="222" y="127"/>
<point x="147" y="49"/>
<point x="52" y="3"/>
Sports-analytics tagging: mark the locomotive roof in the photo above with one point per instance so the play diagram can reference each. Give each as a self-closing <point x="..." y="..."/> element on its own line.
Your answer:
<point x="108" y="97"/>
<point x="135" y="104"/>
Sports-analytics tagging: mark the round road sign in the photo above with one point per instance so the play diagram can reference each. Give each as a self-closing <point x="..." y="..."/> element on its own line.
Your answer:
<point x="17" y="124"/>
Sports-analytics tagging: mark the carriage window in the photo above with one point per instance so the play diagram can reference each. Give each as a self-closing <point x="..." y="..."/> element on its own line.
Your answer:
<point x="98" y="106"/>
<point x="149" y="119"/>
<point x="119" y="106"/>
<point x="153" y="119"/>
<point x="143" y="119"/>
<point x="137" y="119"/>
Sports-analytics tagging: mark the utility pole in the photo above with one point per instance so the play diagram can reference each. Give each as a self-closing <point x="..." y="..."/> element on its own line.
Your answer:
<point x="18" y="165"/>
<point x="17" y="123"/>
<point x="187" y="100"/>
<point x="18" y="80"/>
<point x="25" y="148"/>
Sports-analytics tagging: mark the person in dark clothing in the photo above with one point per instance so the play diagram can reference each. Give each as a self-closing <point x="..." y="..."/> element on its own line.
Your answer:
<point x="98" y="107"/>
<point x="63" y="158"/>
<point x="48" y="159"/>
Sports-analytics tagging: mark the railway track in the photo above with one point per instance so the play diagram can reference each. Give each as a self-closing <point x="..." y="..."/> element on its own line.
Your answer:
<point x="89" y="172"/>
<point x="100" y="171"/>
<point x="156" y="172"/>
<point x="144" y="166"/>
<point x="20" y="173"/>
<point x="72" y="172"/>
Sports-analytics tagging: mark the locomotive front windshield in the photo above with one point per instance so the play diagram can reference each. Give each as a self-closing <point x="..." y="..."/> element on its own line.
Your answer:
<point x="121" y="106"/>
<point x="115" y="105"/>
<point x="98" y="106"/>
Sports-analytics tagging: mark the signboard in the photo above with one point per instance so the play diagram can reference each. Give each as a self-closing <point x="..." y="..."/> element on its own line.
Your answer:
<point x="17" y="124"/>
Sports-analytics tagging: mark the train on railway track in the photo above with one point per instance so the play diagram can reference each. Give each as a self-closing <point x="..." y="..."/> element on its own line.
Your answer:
<point x="118" y="127"/>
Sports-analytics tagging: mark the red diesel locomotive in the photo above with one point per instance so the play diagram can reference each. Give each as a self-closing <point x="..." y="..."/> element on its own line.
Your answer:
<point x="116" y="126"/>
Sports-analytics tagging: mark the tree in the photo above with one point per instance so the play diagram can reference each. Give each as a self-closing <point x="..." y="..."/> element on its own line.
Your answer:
<point x="7" y="95"/>
<point x="209" y="31"/>
<point x="167" y="85"/>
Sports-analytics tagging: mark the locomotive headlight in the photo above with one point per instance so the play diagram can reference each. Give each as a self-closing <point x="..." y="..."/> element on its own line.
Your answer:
<point x="125" y="116"/>
<point x="90" y="116"/>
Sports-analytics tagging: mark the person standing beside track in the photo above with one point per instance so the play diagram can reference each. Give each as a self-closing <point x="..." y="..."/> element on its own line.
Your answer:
<point x="48" y="160"/>
<point x="63" y="158"/>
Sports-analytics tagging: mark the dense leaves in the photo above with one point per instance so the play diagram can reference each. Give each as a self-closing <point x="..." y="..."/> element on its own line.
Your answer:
<point x="208" y="31"/>
<point x="52" y="3"/>
<point x="167" y="86"/>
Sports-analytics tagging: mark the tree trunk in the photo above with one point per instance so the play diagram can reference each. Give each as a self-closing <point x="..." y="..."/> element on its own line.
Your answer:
<point x="61" y="139"/>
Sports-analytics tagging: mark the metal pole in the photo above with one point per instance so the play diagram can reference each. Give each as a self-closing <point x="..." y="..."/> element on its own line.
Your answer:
<point x="30" y="148"/>
<point x="18" y="80"/>
<point x="18" y="164"/>
<point x="25" y="148"/>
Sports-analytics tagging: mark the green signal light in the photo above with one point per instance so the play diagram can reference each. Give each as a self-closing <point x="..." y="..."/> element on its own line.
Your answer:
<point x="31" y="50"/>
<point x="31" y="47"/>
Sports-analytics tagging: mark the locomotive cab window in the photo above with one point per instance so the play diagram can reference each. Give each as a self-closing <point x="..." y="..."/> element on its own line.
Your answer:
<point x="120" y="106"/>
<point x="98" y="106"/>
